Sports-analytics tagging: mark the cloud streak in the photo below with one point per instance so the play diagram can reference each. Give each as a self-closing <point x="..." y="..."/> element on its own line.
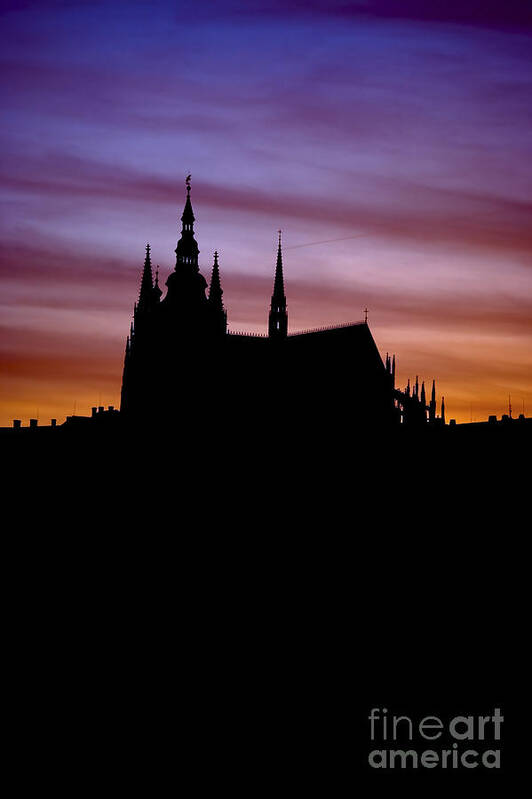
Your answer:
<point x="410" y="211"/>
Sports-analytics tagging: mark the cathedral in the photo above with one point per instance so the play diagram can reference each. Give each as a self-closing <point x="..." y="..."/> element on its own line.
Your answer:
<point x="183" y="365"/>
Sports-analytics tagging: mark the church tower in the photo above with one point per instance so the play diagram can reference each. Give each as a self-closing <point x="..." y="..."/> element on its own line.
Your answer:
<point x="278" y="319"/>
<point x="186" y="285"/>
<point x="187" y="248"/>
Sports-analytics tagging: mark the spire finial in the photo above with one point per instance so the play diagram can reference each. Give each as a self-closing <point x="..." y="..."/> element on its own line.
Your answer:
<point x="187" y="183"/>
<point x="365" y="316"/>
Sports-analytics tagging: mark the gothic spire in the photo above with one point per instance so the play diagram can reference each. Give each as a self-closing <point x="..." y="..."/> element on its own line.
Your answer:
<point x="443" y="410"/>
<point x="278" y="286"/>
<point x="146" y="284"/>
<point x="187" y="247"/>
<point x="432" y="406"/>
<point x="215" y="297"/>
<point x="215" y="289"/>
<point x="188" y="213"/>
<point x="278" y="319"/>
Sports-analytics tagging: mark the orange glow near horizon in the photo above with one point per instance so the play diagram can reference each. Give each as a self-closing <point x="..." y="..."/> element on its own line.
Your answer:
<point x="54" y="373"/>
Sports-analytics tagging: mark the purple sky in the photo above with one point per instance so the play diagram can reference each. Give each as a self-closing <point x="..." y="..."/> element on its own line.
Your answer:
<point x="400" y="128"/>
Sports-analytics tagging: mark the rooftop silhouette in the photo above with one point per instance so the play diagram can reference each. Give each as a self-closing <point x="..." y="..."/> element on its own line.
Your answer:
<point x="183" y="365"/>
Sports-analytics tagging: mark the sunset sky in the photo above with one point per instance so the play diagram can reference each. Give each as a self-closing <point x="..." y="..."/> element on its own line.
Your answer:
<point x="399" y="129"/>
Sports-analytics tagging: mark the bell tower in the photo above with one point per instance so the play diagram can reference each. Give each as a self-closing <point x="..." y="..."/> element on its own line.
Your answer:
<point x="187" y="248"/>
<point x="186" y="285"/>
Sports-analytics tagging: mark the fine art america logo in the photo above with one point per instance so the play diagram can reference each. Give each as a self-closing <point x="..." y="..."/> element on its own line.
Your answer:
<point x="458" y="742"/>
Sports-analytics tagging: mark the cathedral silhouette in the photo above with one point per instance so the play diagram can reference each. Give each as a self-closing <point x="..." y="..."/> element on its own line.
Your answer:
<point x="182" y="362"/>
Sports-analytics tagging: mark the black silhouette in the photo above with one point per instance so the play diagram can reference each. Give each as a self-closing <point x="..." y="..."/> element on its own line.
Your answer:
<point x="189" y="378"/>
<point x="181" y="359"/>
<point x="249" y="513"/>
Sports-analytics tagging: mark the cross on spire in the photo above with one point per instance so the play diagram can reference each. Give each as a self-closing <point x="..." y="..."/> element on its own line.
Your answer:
<point x="216" y="297"/>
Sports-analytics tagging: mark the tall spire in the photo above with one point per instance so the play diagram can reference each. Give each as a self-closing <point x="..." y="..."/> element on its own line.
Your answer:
<point x="187" y="248"/>
<point x="432" y="406"/>
<point x="215" y="289"/>
<point x="443" y="410"/>
<point x="278" y="319"/>
<point x="215" y="297"/>
<point x="146" y="285"/>
<point x="278" y="286"/>
<point x="423" y="404"/>
<point x="188" y="217"/>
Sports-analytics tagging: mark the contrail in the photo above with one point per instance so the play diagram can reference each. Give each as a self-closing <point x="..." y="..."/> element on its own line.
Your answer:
<point x="325" y="241"/>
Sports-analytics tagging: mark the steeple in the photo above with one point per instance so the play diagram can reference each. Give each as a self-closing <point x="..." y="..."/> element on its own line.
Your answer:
<point x="186" y="285"/>
<point x="432" y="405"/>
<point x="423" y="408"/>
<point x="215" y="297"/>
<point x="215" y="289"/>
<point x="278" y="319"/>
<point x="443" y="410"/>
<point x="187" y="248"/>
<point x="146" y="284"/>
